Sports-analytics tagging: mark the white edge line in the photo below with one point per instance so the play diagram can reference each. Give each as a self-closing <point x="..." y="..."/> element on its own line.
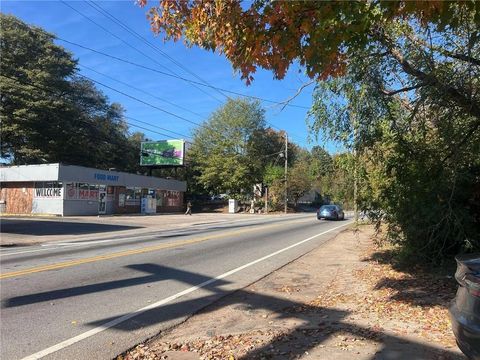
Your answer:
<point x="114" y="322"/>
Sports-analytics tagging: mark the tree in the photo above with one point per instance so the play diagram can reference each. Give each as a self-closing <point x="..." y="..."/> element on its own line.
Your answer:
<point x="274" y="179"/>
<point x="50" y="113"/>
<point x="397" y="82"/>
<point x="33" y="85"/>
<point x="413" y="42"/>
<point x="419" y="170"/>
<point x="299" y="181"/>
<point x="226" y="149"/>
<point x="322" y="36"/>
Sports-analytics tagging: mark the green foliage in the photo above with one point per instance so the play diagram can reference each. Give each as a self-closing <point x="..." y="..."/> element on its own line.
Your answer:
<point x="28" y="112"/>
<point x="403" y="96"/>
<point x="299" y="181"/>
<point x="429" y="203"/>
<point x="321" y="163"/>
<point x="409" y="108"/>
<point x="50" y="114"/>
<point x="227" y="151"/>
<point x="273" y="174"/>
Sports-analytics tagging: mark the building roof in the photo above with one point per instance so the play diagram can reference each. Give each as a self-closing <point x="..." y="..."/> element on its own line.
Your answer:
<point x="73" y="173"/>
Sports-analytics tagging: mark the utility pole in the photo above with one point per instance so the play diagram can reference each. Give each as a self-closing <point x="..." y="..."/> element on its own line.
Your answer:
<point x="286" y="170"/>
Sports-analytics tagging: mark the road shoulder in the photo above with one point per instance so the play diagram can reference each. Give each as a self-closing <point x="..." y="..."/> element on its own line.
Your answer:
<point x="334" y="302"/>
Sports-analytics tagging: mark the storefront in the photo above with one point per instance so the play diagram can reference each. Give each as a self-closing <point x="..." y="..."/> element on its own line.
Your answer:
<point x="76" y="190"/>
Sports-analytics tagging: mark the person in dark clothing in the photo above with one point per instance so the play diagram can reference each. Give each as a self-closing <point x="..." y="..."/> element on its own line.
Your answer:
<point x="189" y="208"/>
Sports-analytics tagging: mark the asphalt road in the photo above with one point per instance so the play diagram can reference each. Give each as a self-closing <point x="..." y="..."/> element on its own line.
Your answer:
<point x="95" y="299"/>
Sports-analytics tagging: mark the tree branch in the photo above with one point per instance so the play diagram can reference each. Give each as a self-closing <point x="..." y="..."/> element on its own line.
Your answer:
<point x="286" y="102"/>
<point x="408" y="88"/>
<point x="462" y="57"/>
<point x="470" y="106"/>
<point x="467" y="136"/>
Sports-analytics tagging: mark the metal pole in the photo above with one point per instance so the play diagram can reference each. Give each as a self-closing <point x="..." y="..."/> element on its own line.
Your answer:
<point x="286" y="170"/>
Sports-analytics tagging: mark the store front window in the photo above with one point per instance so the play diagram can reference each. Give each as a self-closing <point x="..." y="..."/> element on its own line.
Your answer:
<point x="48" y="189"/>
<point x="81" y="191"/>
<point x="133" y="196"/>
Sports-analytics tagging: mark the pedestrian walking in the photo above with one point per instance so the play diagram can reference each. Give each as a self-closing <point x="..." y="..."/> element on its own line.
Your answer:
<point x="189" y="208"/>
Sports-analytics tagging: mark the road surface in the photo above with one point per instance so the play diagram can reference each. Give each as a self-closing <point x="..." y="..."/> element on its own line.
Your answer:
<point x="95" y="299"/>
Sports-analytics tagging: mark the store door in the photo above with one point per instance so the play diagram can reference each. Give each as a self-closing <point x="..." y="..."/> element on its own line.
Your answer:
<point x="102" y="200"/>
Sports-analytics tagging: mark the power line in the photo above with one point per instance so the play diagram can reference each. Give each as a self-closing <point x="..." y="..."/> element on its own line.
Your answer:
<point x="159" y="127"/>
<point x="140" y="100"/>
<point x="92" y="125"/>
<point x="107" y="139"/>
<point x="145" y="103"/>
<point x="140" y="90"/>
<point x="134" y="98"/>
<point x="176" y="76"/>
<point x="161" y="99"/>
<point x="83" y="121"/>
<point x="99" y="9"/>
<point x="117" y="21"/>
<point x="132" y="47"/>
<point x="150" y="130"/>
<point x="102" y="11"/>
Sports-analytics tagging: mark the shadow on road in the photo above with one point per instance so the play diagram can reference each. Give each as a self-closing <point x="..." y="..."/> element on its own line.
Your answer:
<point x="318" y="323"/>
<point x="42" y="227"/>
<point x="156" y="273"/>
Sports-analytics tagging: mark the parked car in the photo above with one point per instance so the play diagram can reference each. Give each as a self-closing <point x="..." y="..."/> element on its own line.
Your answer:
<point x="330" y="212"/>
<point x="465" y="309"/>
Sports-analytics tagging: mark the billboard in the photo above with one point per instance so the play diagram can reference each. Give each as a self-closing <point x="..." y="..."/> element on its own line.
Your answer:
<point x="162" y="153"/>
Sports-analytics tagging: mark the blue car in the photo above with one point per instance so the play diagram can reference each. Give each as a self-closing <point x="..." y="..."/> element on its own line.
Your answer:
<point x="465" y="309"/>
<point x="330" y="212"/>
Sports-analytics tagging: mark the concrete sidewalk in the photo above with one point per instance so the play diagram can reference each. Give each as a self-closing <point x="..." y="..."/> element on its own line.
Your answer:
<point x="321" y="306"/>
<point x="23" y="231"/>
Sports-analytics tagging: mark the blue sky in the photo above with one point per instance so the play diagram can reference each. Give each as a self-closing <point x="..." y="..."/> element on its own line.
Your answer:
<point x="66" y="23"/>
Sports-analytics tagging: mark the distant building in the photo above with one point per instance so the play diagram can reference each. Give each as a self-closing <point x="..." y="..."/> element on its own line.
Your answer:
<point x="60" y="189"/>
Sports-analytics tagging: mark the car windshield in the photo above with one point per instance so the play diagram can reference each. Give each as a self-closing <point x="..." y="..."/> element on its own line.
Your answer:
<point x="328" y="207"/>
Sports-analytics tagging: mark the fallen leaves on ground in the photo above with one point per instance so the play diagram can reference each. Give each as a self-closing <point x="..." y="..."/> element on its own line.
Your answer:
<point x="218" y="347"/>
<point x="413" y="302"/>
<point x="417" y="300"/>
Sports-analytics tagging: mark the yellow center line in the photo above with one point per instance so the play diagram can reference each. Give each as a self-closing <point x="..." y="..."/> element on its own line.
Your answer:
<point x="142" y="250"/>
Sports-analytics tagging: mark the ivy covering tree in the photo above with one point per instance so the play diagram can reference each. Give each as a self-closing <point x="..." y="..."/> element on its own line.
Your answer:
<point x="49" y="113"/>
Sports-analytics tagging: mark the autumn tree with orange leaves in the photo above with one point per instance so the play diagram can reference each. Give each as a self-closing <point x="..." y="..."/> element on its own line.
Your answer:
<point x="406" y="74"/>
<point x="322" y="36"/>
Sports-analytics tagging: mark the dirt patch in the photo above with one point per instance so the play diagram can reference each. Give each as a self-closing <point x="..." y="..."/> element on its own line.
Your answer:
<point x="335" y="302"/>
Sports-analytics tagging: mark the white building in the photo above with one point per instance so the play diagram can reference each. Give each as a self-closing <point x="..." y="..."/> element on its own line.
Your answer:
<point x="76" y="190"/>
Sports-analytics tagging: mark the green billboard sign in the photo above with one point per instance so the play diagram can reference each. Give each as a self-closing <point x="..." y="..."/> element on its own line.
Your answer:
<point x="162" y="153"/>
